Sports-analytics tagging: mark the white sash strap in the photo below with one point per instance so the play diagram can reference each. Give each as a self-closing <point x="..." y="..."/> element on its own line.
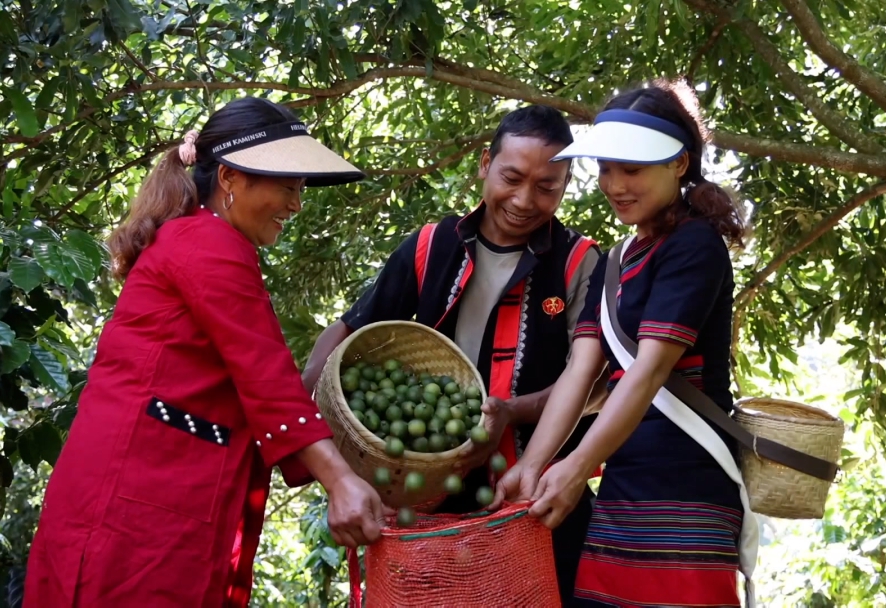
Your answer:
<point x="682" y="415"/>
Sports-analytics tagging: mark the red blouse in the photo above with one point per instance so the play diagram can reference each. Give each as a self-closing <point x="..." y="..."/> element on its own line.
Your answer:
<point x="159" y="493"/>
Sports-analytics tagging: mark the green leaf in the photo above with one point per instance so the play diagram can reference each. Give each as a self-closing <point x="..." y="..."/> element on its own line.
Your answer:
<point x="48" y="370"/>
<point x="7" y="336"/>
<point x="25" y="115"/>
<point x="86" y="245"/>
<point x="15" y="356"/>
<point x="48" y="440"/>
<point x="26" y="273"/>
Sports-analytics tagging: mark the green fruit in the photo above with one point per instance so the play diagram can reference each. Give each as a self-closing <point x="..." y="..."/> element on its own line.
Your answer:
<point x="423" y="411"/>
<point x="359" y="395"/>
<point x="417" y="428"/>
<point x="398" y="376"/>
<point x="392" y="365"/>
<point x="394" y="447"/>
<point x="473" y="392"/>
<point x="393" y="413"/>
<point x="408" y="408"/>
<point x="498" y="463"/>
<point x="380" y="375"/>
<point x="479" y="434"/>
<point x="474" y="406"/>
<point x="443" y="414"/>
<point x="382" y="476"/>
<point x="350" y="383"/>
<point x="457" y="398"/>
<point x="452" y="484"/>
<point x="455" y="428"/>
<point x="357" y="405"/>
<point x="414" y="481"/>
<point x="361" y="417"/>
<point x="458" y="412"/>
<point x="381" y="435"/>
<point x="373" y="387"/>
<point x="372" y="421"/>
<point x="386" y="383"/>
<point x="414" y="393"/>
<point x="380" y="404"/>
<point x="405" y="517"/>
<point x="450" y="388"/>
<point x="420" y="444"/>
<point x="485" y="495"/>
<point x="401" y="389"/>
<point x="365" y="385"/>
<point x="433" y="389"/>
<point x="438" y="443"/>
<point x="444" y="380"/>
<point x="399" y="428"/>
<point x="412" y="381"/>
<point x="369" y="397"/>
<point x="368" y="373"/>
<point x="360" y="364"/>
<point x="389" y="393"/>
<point x="454" y="442"/>
<point x="444" y="402"/>
<point x="430" y="398"/>
<point x="384" y="427"/>
<point x="436" y="425"/>
<point x="475" y="419"/>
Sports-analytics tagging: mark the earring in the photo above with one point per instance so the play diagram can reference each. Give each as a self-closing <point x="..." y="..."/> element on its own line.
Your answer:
<point x="229" y="201"/>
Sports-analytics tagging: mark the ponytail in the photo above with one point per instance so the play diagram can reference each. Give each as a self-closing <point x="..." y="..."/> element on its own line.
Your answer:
<point x="717" y="206"/>
<point x="168" y="192"/>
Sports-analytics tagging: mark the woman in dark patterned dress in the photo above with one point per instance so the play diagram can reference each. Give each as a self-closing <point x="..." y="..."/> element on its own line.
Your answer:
<point x="667" y="527"/>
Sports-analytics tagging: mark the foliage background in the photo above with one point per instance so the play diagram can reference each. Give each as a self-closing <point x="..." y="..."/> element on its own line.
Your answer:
<point x="91" y="92"/>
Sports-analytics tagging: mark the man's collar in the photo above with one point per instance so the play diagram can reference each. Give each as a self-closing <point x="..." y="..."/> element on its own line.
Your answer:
<point x="468" y="227"/>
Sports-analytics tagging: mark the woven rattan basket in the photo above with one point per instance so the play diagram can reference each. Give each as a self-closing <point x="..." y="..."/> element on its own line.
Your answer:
<point x="777" y="490"/>
<point x="420" y="349"/>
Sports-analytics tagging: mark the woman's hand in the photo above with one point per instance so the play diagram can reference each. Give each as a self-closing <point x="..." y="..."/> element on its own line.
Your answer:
<point x="558" y="491"/>
<point x="356" y="513"/>
<point x="517" y="485"/>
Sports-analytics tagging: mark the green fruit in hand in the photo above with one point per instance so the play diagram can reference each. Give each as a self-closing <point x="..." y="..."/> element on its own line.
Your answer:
<point x="392" y="365"/>
<point x="382" y="476"/>
<point x="438" y="443"/>
<point x="408" y="408"/>
<point x="394" y="447"/>
<point x="399" y="428"/>
<point x="420" y="444"/>
<point x="372" y="420"/>
<point x="450" y="388"/>
<point x="398" y="376"/>
<point x="417" y="428"/>
<point x="455" y="427"/>
<point x="436" y="425"/>
<point x="423" y="411"/>
<point x="452" y="484"/>
<point x="405" y="517"/>
<point x="393" y="413"/>
<point x="473" y="392"/>
<point x="458" y="412"/>
<point x="368" y="373"/>
<point x="357" y="405"/>
<point x="498" y="463"/>
<point x="430" y="398"/>
<point x="479" y="434"/>
<point x="414" y="481"/>
<point x="485" y="495"/>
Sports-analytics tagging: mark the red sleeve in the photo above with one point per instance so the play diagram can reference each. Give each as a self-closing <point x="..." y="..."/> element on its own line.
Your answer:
<point x="218" y="276"/>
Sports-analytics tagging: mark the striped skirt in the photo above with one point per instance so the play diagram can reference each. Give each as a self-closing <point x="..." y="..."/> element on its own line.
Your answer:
<point x="665" y="527"/>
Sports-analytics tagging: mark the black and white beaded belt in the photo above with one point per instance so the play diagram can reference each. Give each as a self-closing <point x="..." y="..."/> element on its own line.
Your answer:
<point x="198" y="427"/>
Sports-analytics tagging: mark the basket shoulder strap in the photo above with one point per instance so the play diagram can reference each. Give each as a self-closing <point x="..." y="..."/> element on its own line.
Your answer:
<point x="423" y="252"/>
<point x="703" y="405"/>
<point x="576" y="256"/>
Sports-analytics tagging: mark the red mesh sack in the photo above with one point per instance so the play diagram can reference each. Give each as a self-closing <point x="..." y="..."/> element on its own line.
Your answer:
<point x="482" y="560"/>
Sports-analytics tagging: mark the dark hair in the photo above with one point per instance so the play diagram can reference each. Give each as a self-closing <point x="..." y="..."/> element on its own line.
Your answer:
<point x="542" y="122"/>
<point x="171" y="191"/>
<point x="676" y="102"/>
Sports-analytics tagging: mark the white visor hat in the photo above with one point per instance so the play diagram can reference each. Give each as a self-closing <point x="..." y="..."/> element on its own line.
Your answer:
<point x="630" y="136"/>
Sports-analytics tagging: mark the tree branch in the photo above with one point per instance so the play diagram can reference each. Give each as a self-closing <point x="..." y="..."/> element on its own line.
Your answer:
<point x="704" y="50"/>
<point x="443" y="162"/>
<point x="865" y="79"/>
<point x="138" y="62"/>
<point x="746" y="295"/>
<point x="845" y="129"/>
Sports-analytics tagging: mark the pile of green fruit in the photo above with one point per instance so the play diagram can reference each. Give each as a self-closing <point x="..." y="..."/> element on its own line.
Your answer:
<point x="422" y="413"/>
<point x="417" y="412"/>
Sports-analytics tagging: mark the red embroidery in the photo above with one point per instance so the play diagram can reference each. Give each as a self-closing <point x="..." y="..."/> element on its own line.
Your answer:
<point x="553" y="306"/>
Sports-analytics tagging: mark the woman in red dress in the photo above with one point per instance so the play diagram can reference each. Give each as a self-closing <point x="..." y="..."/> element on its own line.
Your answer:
<point x="158" y="496"/>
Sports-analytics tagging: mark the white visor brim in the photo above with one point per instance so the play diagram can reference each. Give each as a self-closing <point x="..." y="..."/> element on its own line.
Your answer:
<point x="624" y="142"/>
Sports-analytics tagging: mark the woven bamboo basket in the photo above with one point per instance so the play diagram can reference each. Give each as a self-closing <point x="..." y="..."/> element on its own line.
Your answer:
<point x="777" y="490"/>
<point x="420" y="349"/>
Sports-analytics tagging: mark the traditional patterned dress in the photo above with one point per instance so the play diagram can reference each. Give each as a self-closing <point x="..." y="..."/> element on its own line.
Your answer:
<point x="665" y="528"/>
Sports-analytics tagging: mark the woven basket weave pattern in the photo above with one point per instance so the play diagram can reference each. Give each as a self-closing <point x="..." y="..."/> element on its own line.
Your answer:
<point x="777" y="490"/>
<point x="475" y="561"/>
<point x="420" y="349"/>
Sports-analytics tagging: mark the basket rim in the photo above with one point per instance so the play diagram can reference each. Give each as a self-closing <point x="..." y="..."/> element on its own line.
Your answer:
<point x="367" y="435"/>
<point x="744" y="406"/>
